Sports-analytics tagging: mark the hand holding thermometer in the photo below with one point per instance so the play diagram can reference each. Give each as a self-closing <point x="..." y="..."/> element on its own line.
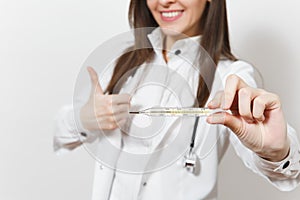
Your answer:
<point x="178" y="112"/>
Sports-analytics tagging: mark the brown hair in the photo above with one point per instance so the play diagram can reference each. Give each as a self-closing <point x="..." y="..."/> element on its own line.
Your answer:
<point x="214" y="40"/>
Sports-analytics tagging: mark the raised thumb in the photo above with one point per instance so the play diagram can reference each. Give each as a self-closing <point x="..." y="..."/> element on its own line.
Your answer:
<point x="96" y="87"/>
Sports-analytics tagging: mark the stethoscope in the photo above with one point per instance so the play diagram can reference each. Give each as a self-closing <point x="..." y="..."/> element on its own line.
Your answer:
<point x="190" y="159"/>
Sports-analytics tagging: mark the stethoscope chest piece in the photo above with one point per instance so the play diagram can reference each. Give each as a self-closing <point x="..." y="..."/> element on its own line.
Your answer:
<point x="190" y="161"/>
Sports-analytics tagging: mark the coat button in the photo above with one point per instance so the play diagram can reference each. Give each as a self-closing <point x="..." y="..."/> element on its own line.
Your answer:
<point x="144" y="184"/>
<point x="177" y="52"/>
<point x="83" y="134"/>
<point x="286" y="165"/>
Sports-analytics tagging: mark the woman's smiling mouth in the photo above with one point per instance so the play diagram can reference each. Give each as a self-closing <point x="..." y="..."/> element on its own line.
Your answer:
<point x="171" y="15"/>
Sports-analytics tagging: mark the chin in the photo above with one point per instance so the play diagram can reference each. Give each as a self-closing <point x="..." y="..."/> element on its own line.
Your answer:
<point x="172" y="32"/>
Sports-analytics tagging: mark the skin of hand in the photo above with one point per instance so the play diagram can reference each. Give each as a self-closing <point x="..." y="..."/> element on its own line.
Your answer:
<point x="257" y="118"/>
<point x="103" y="112"/>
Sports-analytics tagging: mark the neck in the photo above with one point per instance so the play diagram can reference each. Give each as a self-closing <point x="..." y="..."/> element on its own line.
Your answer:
<point x="170" y="40"/>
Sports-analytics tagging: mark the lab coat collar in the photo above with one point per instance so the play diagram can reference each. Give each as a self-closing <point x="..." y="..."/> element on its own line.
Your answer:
<point x="188" y="46"/>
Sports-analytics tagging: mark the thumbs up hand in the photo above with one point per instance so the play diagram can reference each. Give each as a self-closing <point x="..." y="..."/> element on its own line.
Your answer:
<point x="103" y="112"/>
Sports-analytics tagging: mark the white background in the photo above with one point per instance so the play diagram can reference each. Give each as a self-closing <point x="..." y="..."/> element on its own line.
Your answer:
<point x="42" y="46"/>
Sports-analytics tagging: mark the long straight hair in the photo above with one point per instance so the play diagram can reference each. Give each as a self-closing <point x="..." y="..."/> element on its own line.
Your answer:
<point x="214" y="40"/>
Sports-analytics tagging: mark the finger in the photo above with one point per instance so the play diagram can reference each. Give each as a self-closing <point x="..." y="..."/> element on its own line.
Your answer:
<point x="259" y="106"/>
<point x="105" y="123"/>
<point x="122" y="108"/>
<point x="272" y="102"/>
<point x="96" y="87"/>
<point x="121" y="116"/>
<point x="216" y="101"/>
<point x="113" y="122"/>
<point x="122" y="122"/>
<point x="121" y="99"/>
<point x="230" y="121"/>
<point x="217" y="118"/>
<point x="109" y="126"/>
<point x="245" y="97"/>
<point x="265" y="102"/>
<point x="233" y="84"/>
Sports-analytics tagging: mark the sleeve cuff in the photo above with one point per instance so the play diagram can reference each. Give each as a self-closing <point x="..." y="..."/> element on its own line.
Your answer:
<point x="287" y="167"/>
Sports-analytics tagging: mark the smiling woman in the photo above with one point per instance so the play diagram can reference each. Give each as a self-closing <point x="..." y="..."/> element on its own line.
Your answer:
<point x="181" y="17"/>
<point x="183" y="60"/>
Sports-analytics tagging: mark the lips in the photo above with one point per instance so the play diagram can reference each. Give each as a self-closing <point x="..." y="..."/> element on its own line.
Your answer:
<point x="171" y="15"/>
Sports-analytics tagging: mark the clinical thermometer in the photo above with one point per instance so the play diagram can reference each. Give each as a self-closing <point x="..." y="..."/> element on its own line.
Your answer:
<point x="178" y="112"/>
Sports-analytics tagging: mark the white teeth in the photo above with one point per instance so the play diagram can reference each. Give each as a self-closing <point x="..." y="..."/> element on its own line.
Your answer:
<point x="171" y="14"/>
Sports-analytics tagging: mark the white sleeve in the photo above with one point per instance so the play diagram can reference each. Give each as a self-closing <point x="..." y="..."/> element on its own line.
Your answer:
<point x="284" y="175"/>
<point x="69" y="132"/>
<point x="68" y="135"/>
